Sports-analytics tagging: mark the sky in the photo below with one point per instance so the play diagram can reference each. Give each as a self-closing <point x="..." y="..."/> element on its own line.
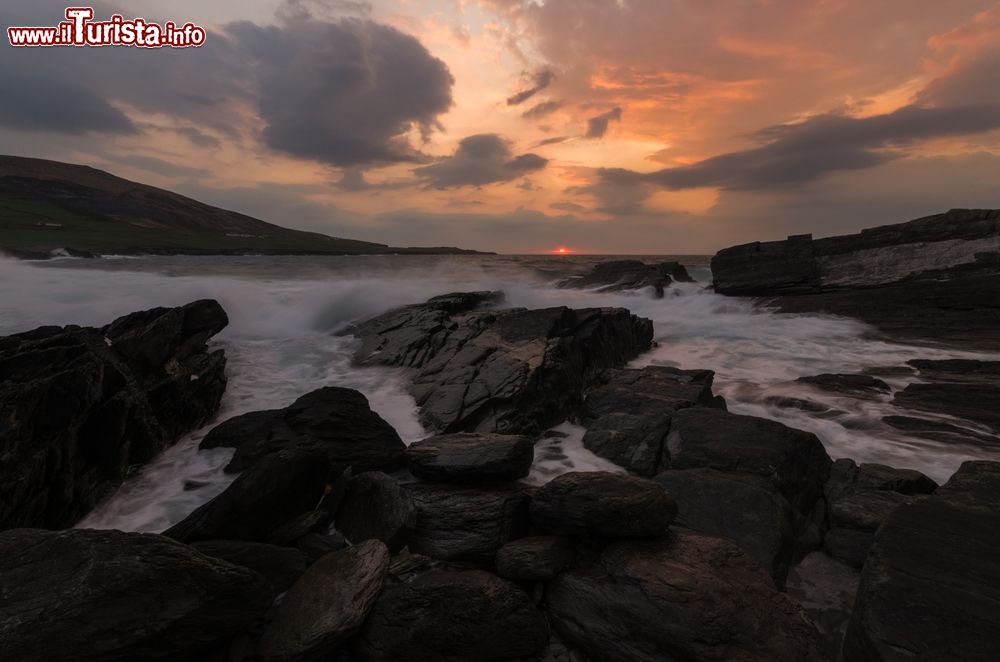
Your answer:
<point x="603" y="126"/>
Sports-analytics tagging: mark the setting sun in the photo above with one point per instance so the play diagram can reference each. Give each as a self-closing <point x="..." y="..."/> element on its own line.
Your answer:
<point x="562" y="250"/>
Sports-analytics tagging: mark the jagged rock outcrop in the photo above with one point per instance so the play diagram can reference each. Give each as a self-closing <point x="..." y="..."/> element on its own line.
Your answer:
<point x="620" y="275"/>
<point x="930" y="588"/>
<point x="512" y="371"/>
<point x="86" y="596"/>
<point x="686" y="597"/>
<point x="933" y="278"/>
<point x="335" y="421"/>
<point x="80" y="407"/>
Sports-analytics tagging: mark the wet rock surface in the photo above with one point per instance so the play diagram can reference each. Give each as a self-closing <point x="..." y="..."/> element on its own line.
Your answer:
<point x="83" y="595"/>
<point x="534" y="559"/>
<point x="81" y="407"/>
<point x="675" y="599"/>
<point x="332" y="420"/>
<point x="376" y="507"/>
<point x="467" y="457"/>
<point x="508" y="371"/>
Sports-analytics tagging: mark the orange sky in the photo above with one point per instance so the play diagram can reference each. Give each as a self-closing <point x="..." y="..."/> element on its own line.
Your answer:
<point x="632" y="126"/>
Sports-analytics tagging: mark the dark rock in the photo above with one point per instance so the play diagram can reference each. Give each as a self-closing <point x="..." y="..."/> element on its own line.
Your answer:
<point x="318" y="545"/>
<point x="940" y="431"/>
<point x="866" y="510"/>
<point x="957" y="370"/>
<point x="628" y="416"/>
<point x="534" y="559"/>
<point x="849" y="546"/>
<point x="603" y="505"/>
<point x="82" y="407"/>
<point x="302" y="525"/>
<point x="854" y="385"/>
<point x="471" y="457"/>
<point x="747" y="509"/>
<point x="507" y="371"/>
<point x="466" y="523"/>
<point x="327" y="605"/>
<point x="620" y="275"/>
<point x="975" y="486"/>
<point x="336" y="421"/>
<point x="275" y="491"/>
<point x="847" y="478"/>
<point x="452" y="617"/>
<point x="281" y="566"/>
<point x="935" y="278"/>
<point x="83" y="596"/>
<point x="793" y="460"/>
<point x="687" y="597"/>
<point x="825" y="589"/>
<point x="376" y="507"/>
<point x="975" y="402"/>
<point x="930" y="588"/>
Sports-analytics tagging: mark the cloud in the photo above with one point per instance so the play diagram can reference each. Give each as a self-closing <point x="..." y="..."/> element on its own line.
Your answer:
<point x="542" y="109"/>
<point x="344" y="91"/>
<point x="598" y="126"/>
<point x="800" y="153"/>
<point x="553" y="141"/>
<point x="481" y="159"/>
<point x="542" y="79"/>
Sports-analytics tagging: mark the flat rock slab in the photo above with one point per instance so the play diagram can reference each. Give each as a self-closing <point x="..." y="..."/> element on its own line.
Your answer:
<point x="327" y="605"/>
<point x="978" y="403"/>
<point x="847" y="384"/>
<point x="452" y="617"/>
<point x="603" y="505"/>
<point x="85" y="595"/>
<point x="471" y="457"/>
<point x="687" y="597"/>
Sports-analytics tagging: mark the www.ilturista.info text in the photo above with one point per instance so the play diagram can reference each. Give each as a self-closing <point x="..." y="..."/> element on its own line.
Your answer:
<point x="79" y="29"/>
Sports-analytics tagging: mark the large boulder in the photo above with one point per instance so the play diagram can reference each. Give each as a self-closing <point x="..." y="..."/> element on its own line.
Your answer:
<point x="533" y="559"/>
<point x="376" y="507"/>
<point x="452" y="617"/>
<point x="467" y="523"/>
<point x="686" y="597"/>
<point x="628" y="415"/>
<point x="336" y="421"/>
<point x="930" y="588"/>
<point x="82" y="407"/>
<point x="84" y="595"/>
<point x="273" y="493"/>
<point x="793" y="460"/>
<point x="471" y="457"/>
<point x="603" y="505"/>
<point x="327" y="605"/>
<point x="745" y="508"/>
<point x="282" y="566"/>
<point x="512" y="371"/>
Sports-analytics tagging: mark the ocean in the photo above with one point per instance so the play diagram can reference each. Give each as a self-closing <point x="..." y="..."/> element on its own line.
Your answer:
<point x="281" y="343"/>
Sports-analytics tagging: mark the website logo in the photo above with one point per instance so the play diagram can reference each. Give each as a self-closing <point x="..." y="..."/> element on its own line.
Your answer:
<point x="80" y="29"/>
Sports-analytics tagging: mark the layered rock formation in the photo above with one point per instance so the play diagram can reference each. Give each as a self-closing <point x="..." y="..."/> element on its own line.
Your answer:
<point x="621" y="275"/>
<point x="80" y="408"/>
<point x="933" y="278"/>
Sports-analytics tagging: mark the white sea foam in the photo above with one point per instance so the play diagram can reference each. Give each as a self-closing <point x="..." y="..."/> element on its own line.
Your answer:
<point x="280" y="345"/>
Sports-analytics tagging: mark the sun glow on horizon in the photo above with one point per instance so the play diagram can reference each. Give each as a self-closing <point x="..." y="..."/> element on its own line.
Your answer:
<point x="561" y="250"/>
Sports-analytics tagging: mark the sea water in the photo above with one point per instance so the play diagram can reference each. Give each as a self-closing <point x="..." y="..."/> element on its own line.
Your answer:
<point x="282" y="343"/>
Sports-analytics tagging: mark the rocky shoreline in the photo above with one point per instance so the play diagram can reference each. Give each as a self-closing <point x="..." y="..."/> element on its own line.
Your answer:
<point x="721" y="537"/>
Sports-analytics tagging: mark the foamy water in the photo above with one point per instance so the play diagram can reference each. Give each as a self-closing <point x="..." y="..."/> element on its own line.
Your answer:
<point x="281" y="344"/>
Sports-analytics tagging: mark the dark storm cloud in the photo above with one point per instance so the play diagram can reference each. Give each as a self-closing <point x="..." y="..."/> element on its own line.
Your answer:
<point x="479" y="160"/>
<point x="804" y="152"/>
<point x="598" y="126"/>
<point x="542" y="79"/>
<point x="343" y="91"/>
